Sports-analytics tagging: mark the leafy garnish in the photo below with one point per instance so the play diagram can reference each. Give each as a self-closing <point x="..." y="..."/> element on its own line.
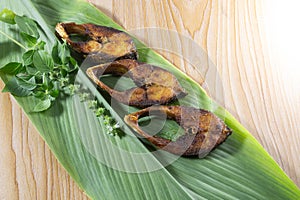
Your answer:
<point x="16" y="87"/>
<point x="11" y="68"/>
<point x="43" y="61"/>
<point x="27" y="26"/>
<point x="7" y="16"/>
<point x="46" y="75"/>
<point x="112" y="127"/>
<point x="42" y="105"/>
<point x="40" y="74"/>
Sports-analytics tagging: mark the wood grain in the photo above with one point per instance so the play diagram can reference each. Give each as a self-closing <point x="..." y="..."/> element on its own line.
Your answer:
<point x="260" y="92"/>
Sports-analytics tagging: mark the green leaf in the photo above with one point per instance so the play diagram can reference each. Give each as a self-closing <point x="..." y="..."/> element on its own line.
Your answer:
<point x="54" y="93"/>
<point x="43" y="61"/>
<point x="239" y="169"/>
<point x="40" y="45"/>
<point x="7" y="16"/>
<point x="72" y="65"/>
<point x="26" y="82"/>
<point x="42" y="105"/>
<point x="167" y="129"/>
<point x="11" y="68"/>
<point x="171" y="131"/>
<point x="63" y="53"/>
<point x="39" y="94"/>
<point x="28" y="57"/>
<point x="60" y="53"/>
<point x="27" y="26"/>
<point x="29" y="40"/>
<point x="14" y="87"/>
<point x="31" y="70"/>
<point x="54" y="53"/>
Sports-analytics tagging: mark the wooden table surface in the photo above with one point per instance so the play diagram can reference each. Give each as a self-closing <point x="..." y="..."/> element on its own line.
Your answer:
<point x="252" y="48"/>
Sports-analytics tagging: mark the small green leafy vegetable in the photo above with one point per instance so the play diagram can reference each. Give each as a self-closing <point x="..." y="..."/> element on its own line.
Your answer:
<point x="45" y="75"/>
<point x="7" y="16"/>
<point x="11" y="68"/>
<point x="43" y="61"/>
<point x="111" y="126"/>
<point x="29" y="40"/>
<point x="28" y="57"/>
<point x="16" y="88"/>
<point x="40" y="74"/>
<point x="27" y="26"/>
<point x="42" y="105"/>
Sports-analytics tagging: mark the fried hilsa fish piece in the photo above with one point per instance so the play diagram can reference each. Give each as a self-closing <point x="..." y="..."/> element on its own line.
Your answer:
<point x="203" y="130"/>
<point x="154" y="84"/>
<point x="114" y="53"/>
<point x="102" y="44"/>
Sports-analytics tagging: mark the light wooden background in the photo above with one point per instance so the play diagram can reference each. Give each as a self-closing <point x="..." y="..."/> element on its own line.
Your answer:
<point x="262" y="87"/>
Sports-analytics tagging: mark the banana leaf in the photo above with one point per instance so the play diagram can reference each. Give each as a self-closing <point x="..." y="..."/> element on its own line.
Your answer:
<point x="122" y="167"/>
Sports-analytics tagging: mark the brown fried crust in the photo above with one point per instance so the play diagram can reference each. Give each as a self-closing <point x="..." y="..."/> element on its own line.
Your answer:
<point x="154" y="85"/>
<point x="203" y="130"/>
<point x="103" y="44"/>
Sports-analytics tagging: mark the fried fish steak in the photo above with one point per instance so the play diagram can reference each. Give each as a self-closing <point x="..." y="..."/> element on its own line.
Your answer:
<point x="101" y="44"/>
<point x="203" y="130"/>
<point x="154" y="84"/>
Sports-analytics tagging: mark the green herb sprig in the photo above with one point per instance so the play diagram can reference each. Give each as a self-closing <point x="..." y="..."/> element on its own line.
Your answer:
<point x="111" y="125"/>
<point x="40" y="74"/>
<point x="45" y="76"/>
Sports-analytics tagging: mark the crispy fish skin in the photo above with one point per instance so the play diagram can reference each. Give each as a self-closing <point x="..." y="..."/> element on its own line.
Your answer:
<point x="104" y="44"/>
<point x="154" y="85"/>
<point x="203" y="130"/>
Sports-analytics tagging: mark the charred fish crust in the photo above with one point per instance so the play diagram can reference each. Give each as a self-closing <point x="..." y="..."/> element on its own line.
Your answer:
<point x="159" y="89"/>
<point x="203" y="130"/>
<point x="103" y="44"/>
